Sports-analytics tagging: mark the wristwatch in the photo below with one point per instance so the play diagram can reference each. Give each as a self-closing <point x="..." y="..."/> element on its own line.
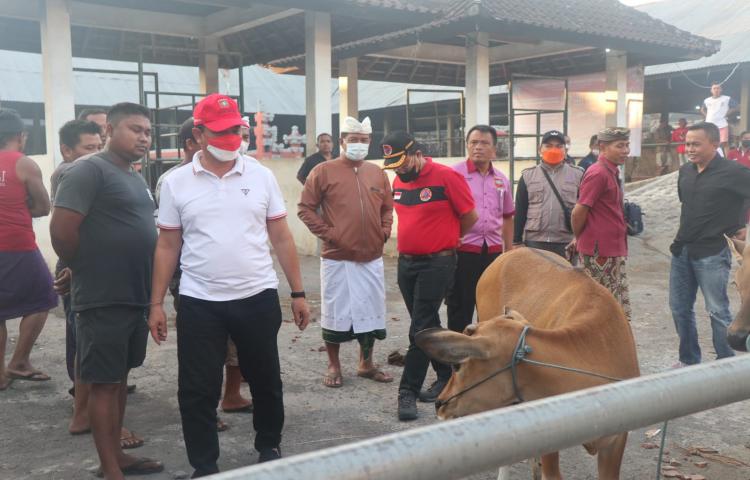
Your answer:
<point x="300" y="294"/>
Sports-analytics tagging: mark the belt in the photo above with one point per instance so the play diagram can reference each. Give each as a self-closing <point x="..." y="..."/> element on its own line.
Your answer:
<point x="441" y="253"/>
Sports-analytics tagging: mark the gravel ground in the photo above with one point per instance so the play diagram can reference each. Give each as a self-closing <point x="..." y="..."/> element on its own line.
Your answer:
<point x="34" y="443"/>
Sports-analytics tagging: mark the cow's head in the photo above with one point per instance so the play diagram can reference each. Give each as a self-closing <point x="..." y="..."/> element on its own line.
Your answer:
<point x="481" y="350"/>
<point x="740" y="327"/>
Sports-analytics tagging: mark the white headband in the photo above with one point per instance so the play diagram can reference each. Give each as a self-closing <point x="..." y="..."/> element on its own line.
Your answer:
<point x="351" y="125"/>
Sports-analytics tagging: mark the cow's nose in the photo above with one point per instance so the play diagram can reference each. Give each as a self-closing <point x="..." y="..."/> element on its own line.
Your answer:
<point x="738" y="340"/>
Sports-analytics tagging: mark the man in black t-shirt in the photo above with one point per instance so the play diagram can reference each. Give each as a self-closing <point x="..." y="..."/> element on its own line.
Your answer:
<point x="325" y="152"/>
<point x="712" y="190"/>
<point x="103" y="228"/>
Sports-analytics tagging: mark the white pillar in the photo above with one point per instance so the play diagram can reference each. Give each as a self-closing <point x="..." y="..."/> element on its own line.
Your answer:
<point x="477" y="80"/>
<point x="348" y="101"/>
<point x="317" y="76"/>
<point x="57" y="72"/>
<point x="208" y="66"/>
<point x="744" y="98"/>
<point x="616" y="89"/>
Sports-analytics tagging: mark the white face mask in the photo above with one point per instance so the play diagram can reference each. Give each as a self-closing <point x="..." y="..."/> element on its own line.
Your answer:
<point x="595" y="151"/>
<point x="222" y="155"/>
<point x="244" y="146"/>
<point x="357" y="151"/>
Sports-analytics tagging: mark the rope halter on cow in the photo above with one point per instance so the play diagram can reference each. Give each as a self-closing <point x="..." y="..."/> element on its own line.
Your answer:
<point x="519" y="355"/>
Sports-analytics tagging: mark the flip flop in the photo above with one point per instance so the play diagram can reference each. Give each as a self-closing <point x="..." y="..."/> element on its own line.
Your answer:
<point x="35" y="376"/>
<point x="376" y="375"/>
<point x="333" y="381"/>
<point x="130" y="441"/>
<point x="245" y="409"/>
<point x="139" y="467"/>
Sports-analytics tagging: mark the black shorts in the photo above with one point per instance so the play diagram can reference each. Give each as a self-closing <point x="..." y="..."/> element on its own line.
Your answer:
<point x="109" y="342"/>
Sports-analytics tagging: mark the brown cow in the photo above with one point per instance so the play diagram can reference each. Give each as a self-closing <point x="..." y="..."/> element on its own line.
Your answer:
<point x="574" y="322"/>
<point x="738" y="331"/>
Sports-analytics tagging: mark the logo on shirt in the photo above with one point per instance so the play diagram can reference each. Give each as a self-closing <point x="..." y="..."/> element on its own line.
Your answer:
<point x="397" y="195"/>
<point x="244" y="191"/>
<point x="425" y="194"/>
<point x="499" y="183"/>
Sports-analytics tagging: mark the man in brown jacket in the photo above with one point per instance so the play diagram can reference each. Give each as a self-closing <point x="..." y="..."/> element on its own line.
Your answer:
<point x="348" y="204"/>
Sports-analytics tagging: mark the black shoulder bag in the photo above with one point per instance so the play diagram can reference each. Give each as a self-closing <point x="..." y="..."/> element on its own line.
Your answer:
<point x="566" y="211"/>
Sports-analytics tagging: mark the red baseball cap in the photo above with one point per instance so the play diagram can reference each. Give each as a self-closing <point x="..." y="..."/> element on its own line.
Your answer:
<point x="218" y="112"/>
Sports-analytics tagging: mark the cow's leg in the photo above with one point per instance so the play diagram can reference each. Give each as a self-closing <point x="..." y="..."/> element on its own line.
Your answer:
<point x="504" y="473"/>
<point x="551" y="466"/>
<point x="609" y="460"/>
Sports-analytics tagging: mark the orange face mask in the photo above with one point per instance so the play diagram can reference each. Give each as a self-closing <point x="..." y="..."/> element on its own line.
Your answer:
<point x="553" y="156"/>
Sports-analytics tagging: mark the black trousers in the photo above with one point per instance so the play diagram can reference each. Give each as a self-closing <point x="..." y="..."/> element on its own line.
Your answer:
<point x="423" y="283"/>
<point x="462" y="295"/>
<point x="202" y="329"/>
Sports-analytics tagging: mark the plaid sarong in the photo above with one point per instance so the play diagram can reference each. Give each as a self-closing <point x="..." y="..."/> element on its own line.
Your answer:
<point x="610" y="273"/>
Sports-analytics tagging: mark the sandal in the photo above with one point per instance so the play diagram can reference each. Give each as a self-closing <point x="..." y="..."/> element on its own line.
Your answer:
<point x="375" y="374"/>
<point x="130" y="440"/>
<point x="333" y="380"/>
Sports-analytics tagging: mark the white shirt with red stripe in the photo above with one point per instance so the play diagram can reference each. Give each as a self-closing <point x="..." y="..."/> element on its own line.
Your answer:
<point x="225" y="253"/>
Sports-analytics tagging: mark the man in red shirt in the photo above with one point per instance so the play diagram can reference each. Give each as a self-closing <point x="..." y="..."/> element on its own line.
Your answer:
<point x="741" y="154"/>
<point x="26" y="288"/>
<point x="435" y="208"/>
<point x="678" y="136"/>
<point x="598" y="220"/>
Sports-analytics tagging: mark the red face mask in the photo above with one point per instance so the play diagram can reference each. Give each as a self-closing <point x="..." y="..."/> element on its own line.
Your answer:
<point x="230" y="142"/>
<point x="553" y="156"/>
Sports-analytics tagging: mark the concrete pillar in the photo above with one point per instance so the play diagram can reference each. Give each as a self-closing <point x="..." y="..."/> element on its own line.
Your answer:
<point x="317" y="76"/>
<point x="451" y="134"/>
<point x="477" y="79"/>
<point x="616" y="89"/>
<point x="208" y="65"/>
<point x="745" y="98"/>
<point x="348" y="91"/>
<point x="57" y="72"/>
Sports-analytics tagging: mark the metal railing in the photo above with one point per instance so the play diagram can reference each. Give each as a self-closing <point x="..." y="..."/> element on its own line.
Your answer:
<point x="457" y="448"/>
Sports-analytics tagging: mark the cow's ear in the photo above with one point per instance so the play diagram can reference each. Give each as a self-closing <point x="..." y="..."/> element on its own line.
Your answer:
<point x="737" y="247"/>
<point x="451" y="347"/>
<point x="514" y="315"/>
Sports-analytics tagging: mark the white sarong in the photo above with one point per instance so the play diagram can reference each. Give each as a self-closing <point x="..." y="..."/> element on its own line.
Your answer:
<point x="352" y="295"/>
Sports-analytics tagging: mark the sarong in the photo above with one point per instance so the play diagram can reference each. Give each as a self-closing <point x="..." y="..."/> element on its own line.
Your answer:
<point x="25" y="285"/>
<point x="610" y="273"/>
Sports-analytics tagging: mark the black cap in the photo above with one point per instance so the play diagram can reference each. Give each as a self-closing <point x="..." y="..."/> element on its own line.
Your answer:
<point x="10" y="121"/>
<point x="553" y="134"/>
<point x="396" y="146"/>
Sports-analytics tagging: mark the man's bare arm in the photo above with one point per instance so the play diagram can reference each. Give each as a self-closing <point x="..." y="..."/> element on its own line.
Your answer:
<point x="578" y="218"/>
<point x="468" y="220"/>
<point x="64" y="232"/>
<point x="31" y="175"/>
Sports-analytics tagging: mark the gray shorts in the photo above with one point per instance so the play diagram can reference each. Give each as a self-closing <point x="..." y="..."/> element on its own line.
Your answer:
<point x="109" y="342"/>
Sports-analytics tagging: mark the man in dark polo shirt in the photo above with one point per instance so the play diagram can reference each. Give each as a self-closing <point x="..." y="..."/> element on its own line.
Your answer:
<point x="325" y="152"/>
<point x="435" y="208"/>
<point x="103" y="227"/>
<point x="712" y="190"/>
<point x="598" y="220"/>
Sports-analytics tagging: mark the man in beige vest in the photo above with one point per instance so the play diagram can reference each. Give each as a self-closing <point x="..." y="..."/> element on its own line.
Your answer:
<point x="540" y="220"/>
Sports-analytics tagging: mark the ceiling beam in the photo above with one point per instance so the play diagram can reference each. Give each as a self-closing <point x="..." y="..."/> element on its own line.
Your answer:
<point x="233" y="20"/>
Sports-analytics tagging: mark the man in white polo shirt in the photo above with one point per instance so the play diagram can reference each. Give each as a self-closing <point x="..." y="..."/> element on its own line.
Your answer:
<point x="222" y="210"/>
<point x="716" y="109"/>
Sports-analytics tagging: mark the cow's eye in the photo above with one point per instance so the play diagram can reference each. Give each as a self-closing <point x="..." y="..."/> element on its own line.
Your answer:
<point x="456" y="367"/>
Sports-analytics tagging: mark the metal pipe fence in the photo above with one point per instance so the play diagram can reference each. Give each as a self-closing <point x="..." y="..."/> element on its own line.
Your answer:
<point x="457" y="448"/>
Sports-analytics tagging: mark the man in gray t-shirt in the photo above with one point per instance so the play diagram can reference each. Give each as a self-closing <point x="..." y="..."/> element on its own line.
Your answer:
<point x="103" y="228"/>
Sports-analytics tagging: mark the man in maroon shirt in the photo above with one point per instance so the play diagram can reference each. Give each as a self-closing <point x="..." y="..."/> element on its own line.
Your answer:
<point x="598" y="220"/>
<point x="26" y="283"/>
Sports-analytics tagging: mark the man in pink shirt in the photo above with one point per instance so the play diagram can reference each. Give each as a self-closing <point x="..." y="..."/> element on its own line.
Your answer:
<point x="598" y="220"/>
<point x="493" y="232"/>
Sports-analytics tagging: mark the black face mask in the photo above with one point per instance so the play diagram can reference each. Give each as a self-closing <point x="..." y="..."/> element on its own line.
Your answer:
<point x="746" y="144"/>
<point x="409" y="176"/>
